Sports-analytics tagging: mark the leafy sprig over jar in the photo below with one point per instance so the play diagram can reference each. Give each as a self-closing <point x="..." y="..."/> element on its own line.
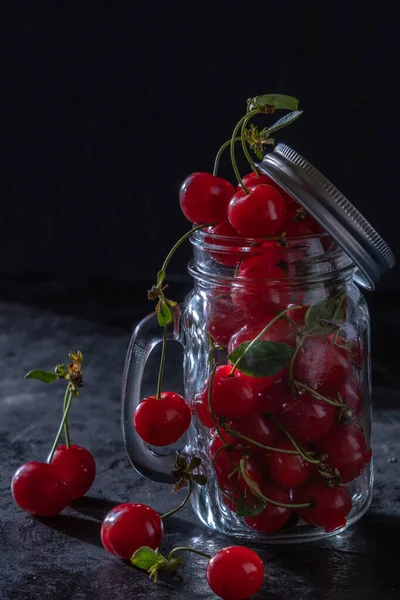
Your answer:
<point x="276" y="347"/>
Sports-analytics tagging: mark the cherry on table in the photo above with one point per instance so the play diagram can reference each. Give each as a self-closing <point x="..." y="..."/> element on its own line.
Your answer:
<point x="79" y="468"/>
<point x="329" y="508"/>
<point x="235" y="573"/>
<point x="321" y="364"/>
<point x="234" y="397"/>
<point x="307" y="418"/>
<point x="288" y="471"/>
<point x="273" y="517"/>
<point x="163" y="421"/>
<point x="204" y="198"/>
<point x="258" y="214"/>
<point x="347" y="451"/>
<point x="40" y="488"/>
<point x="129" y="526"/>
<point x="228" y="238"/>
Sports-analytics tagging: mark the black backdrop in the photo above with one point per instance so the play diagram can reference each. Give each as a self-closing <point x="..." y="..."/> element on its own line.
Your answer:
<point x="107" y="106"/>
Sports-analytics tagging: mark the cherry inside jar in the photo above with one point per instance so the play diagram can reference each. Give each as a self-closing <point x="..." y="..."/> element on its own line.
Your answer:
<point x="281" y="338"/>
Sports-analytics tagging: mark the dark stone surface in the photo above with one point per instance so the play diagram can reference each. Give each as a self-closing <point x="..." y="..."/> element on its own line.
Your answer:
<point x="62" y="558"/>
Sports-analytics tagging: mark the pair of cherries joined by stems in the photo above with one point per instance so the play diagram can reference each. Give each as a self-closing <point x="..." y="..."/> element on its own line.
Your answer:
<point x="46" y="488"/>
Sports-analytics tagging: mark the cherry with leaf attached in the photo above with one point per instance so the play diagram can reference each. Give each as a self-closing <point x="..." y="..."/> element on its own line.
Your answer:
<point x="45" y="488"/>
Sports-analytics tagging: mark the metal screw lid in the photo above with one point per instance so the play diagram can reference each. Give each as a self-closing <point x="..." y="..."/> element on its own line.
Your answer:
<point x="333" y="211"/>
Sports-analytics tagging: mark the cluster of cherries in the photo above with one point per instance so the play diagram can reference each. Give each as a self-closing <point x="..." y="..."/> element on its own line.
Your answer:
<point x="46" y="488"/>
<point x="129" y="530"/>
<point x="281" y="445"/>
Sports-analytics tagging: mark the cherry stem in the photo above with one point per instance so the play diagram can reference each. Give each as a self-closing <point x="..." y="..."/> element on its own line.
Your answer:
<point x="244" y="146"/>
<point x="185" y="549"/>
<point x="60" y="429"/>
<point x="233" y="159"/>
<point x="262" y="332"/>
<point x="162" y="362"/>
<point x="210" y="406"/>
<point x="257" y="492"/>
<point x="295" y="353"/>
<point x="182" y="504"/>
<point x="180" y="241"/>
<point x="299" y="449"/>
<point x="258" y="444"/>
<point x="220" y="151"/>
<point x="68" y="393"/>
<point x="317" y="395"/>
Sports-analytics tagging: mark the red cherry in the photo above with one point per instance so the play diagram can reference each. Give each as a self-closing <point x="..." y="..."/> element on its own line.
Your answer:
<point x="263" y="286"/>
<point x="330" y="506"/>
<point x="79" y="468"/>
<point x="235" y="573"/>
<point x="40" y="489"/>
<point x="163" y="421"/>
<point x="204" y="198"/>
<point x="233" y="397"/>
<point x="273" y="517"/>
<point x="321" y="364"/>
<point x="230" y="504"/>
<point x="281" y="331"/>
<point x="203" y="412"/>
<point x="298" y="227"/>
<point x="350" y="392"/>
<point x="128" y="526"/>
<point x="224" y="319"/>
<point x="228" y="239"/>
<point x="289" y="471"/>
<point x="261" y="213"/>
<point x="258" y="428"/>
<point x="252" y="180"/>
<point x="226" y="466"/>
<point x="273" y="398"/>
<point x="347" y="451"/>
<point x="307" y="418"/>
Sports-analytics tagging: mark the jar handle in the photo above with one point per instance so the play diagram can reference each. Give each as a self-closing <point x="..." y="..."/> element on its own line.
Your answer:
<point x="152" y="464"/>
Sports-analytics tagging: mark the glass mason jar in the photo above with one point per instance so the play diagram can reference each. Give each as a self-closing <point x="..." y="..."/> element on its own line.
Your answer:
<point x="282" y="424"/>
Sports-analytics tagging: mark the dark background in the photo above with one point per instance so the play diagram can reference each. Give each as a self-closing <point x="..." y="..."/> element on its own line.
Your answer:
<point x="108" y="106"/>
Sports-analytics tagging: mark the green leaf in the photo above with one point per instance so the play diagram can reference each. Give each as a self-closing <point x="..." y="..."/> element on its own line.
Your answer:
<point x="263" y="359"/>
<point x="145" y="558"/>
<point x="199" y="479"/>
<point x="275" y="100"/>
<point x="319" y="316"/>
<point x="194" y="463"/>
<point x="164" y="314"/>
<point x="249" y="505"/>
<point x="46" y="376"/>
<point x="285" y="121"/>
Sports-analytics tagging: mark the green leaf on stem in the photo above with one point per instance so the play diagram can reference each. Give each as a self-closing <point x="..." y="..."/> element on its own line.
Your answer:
<point x="325" y="316"/>
<point x="199" y="479"/>
<point x="46" y="376"/>
<point x="164" y="313"/>
<point x="194" y="463"/>
<point x="263" y="359"/>
<point x="249" y="505"/>
<point x="279" y="101"/>
<point x="145" y="558"/>
<point x="285" y="121"/>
